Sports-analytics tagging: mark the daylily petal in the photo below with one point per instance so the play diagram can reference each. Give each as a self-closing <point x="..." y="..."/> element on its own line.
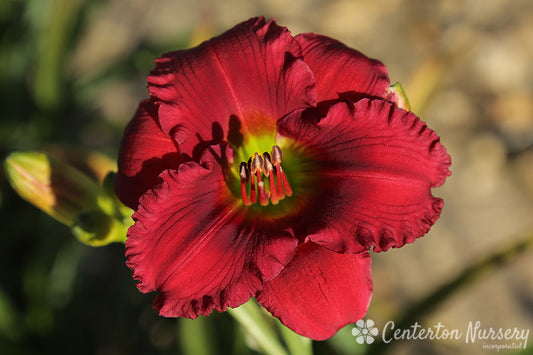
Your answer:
<point x="341" y="71"/>
<point x="191" y="243"/>
<point x="145" y="151"/>
<point x="230" y="86"/>
<point x="320" y="291"/>
<point x="376" y="166"/>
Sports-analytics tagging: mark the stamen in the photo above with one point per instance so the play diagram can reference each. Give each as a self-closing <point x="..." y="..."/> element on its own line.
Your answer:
<point x="244" y="172"/>
<point x="267" y="164"/>
<point x="279" y="184"/>
<point x="257" y="168"/>
<point x="277" y="154"/>
<point x="270" y="166"/>
<point x="263" y="198"/>
<point x="257" y="163"/>
<point x="268" y="170"/>
<point x="253" y="194"/>
<point x="245" y="176"/>
<point x="286" y="185"/>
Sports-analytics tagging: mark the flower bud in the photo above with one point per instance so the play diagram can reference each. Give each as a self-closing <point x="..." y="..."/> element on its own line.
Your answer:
<point x="396" y="94"/>
<point x="92" y="163"/>
<point x="96" y="228"/>
<point x="65" y="193"/>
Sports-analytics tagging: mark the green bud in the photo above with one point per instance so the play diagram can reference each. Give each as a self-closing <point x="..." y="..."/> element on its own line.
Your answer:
<point x="123" y="211"/>
<point x="66" y="194"/>
<point x="96" y="228"/>
<point x="396" y="94"/>
<point x="92" y="163"/>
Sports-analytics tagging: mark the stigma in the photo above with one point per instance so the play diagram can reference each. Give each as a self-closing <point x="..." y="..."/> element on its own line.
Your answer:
<point x="264" y="174"/>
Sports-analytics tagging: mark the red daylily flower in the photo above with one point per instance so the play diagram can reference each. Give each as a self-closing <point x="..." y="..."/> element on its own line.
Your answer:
<point x="265" y="165"/>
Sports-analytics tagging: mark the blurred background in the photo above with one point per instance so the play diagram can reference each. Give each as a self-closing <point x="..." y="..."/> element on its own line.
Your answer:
<point x="73" y="71"/>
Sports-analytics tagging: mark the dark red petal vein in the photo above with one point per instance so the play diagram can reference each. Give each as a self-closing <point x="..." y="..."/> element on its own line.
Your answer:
<point x="145" y="151"/>
<point x="238" y="83"/>
<point x="341" y="71"/>
<point x="191" y="244"/>
<point x="377" y="164"/>
<point x="320" y="291"/>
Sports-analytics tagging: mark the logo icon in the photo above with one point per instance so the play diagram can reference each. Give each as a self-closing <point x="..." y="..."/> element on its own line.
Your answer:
<point x="364" y="331"/>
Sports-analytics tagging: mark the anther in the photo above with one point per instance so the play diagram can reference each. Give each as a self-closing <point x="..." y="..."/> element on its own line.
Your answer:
<point x="267" y="164"/>
<point x="277" y="155"/>
<point x="270" y="166"/>
<point x="245" y="176"/>
<point x="244" y="172"/>
<point x="257" y="163"/>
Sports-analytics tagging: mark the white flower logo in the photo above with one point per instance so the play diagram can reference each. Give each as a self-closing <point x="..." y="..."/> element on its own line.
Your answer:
<point x="364" y="332"/>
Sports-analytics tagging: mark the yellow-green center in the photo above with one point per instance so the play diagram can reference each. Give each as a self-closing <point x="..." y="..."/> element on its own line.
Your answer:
<point x="273" y="178"/>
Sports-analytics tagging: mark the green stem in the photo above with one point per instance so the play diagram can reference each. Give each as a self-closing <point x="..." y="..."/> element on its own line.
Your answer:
<point x="195" y="335"/>
<point x="297" y="344"/>
<point x="252" y="320"/>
